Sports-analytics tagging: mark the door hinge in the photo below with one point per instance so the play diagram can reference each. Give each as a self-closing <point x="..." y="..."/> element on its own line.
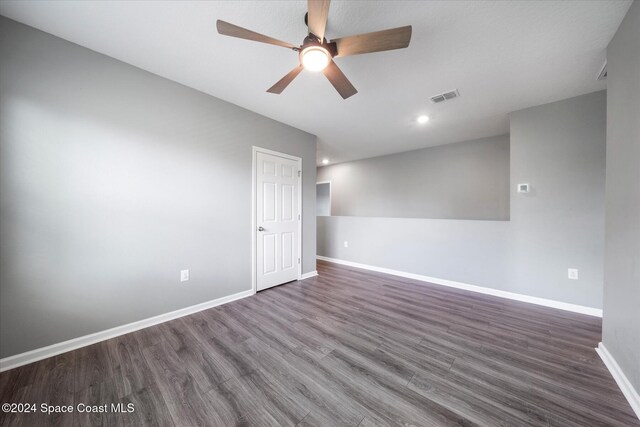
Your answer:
<point x="299" y="174"/>
<point x="298" y="217"/>
<point x="298" y="260"/>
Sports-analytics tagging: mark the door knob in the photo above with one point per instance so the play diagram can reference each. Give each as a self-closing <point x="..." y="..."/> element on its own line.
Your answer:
<point x="260" y="228"/>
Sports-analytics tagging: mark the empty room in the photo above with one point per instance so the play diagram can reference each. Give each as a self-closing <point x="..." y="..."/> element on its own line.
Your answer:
<point x="329" y="213"/>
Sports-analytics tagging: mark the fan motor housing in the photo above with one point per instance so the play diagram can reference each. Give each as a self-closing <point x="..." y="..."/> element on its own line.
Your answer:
<point x="312" y="40"/>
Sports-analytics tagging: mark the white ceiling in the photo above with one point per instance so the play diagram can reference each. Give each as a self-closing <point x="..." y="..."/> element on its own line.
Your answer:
<point x="501" y="56"/>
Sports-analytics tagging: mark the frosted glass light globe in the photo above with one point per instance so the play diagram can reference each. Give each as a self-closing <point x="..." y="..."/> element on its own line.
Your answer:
<point x="315" y="58"/>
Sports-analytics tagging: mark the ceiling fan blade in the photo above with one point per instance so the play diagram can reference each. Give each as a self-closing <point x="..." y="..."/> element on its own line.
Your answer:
<point x="284" y="82"/>
<point x="231" y="30"/>
<point x="318" y="13"/>
<point x="394" y="38"/>
<point x="339" y="80"/>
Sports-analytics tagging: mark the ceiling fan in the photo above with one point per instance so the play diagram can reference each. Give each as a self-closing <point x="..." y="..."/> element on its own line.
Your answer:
<point x="316" y="53"/>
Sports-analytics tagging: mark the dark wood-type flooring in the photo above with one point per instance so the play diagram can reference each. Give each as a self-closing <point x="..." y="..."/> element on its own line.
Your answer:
<point x="349" y="347"/>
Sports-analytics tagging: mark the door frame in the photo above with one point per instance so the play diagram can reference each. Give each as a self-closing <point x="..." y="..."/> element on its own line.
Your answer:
<point x="254" y="221"/>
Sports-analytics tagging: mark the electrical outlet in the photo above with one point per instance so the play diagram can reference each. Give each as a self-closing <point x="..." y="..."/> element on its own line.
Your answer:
<point x="573" y="273"/>
<point x="346" y="244"/>
<point x="523" y="188"/>
<point x="184" y="275"/>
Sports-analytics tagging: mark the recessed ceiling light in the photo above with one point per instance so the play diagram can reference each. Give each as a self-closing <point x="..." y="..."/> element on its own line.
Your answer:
<point x="325" y="161"/>
<point x="422" y="119"/>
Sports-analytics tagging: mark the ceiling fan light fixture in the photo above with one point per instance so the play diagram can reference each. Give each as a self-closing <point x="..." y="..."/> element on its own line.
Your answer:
<point x="315" y="58"/>
<point x="316" y="53"/>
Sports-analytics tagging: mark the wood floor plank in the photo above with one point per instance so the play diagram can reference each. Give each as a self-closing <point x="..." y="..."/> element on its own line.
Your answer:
<point x="214" y="323"/>
<point x="130" y="370"/>
<point x="349" y="347"/>
<point x="14" y="379"/>
<point x="200" y="358"/>
<point x="403" y="406"/>
<point x="468" y="405"/>
<point x="186" y="402"/>
<point x="266" y="402"/>
<point x="150" y="409"/>
<point x="53" y="385"/>
<point x="92" y="366"/>
<point x="96" y="395"/>
<point x="148" y="336"/>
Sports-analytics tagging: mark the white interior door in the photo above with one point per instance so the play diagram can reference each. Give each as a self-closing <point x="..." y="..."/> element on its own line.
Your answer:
<point x="277" y="220"/>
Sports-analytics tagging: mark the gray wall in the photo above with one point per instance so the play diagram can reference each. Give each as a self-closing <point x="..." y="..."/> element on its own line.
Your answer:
<point x="467" y="180"/>
<point x="112" y="180"/>
<point x="559" y="149"/>
<point x="621" y="322"/>
<point x="323" y="199"/>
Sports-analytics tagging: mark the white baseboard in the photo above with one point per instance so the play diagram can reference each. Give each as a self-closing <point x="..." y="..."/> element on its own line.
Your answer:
<point x="309" y="275"/>
<point x="623" y="382"/>
<point x="473" y="288"/>
<point x="75" y="343"/>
